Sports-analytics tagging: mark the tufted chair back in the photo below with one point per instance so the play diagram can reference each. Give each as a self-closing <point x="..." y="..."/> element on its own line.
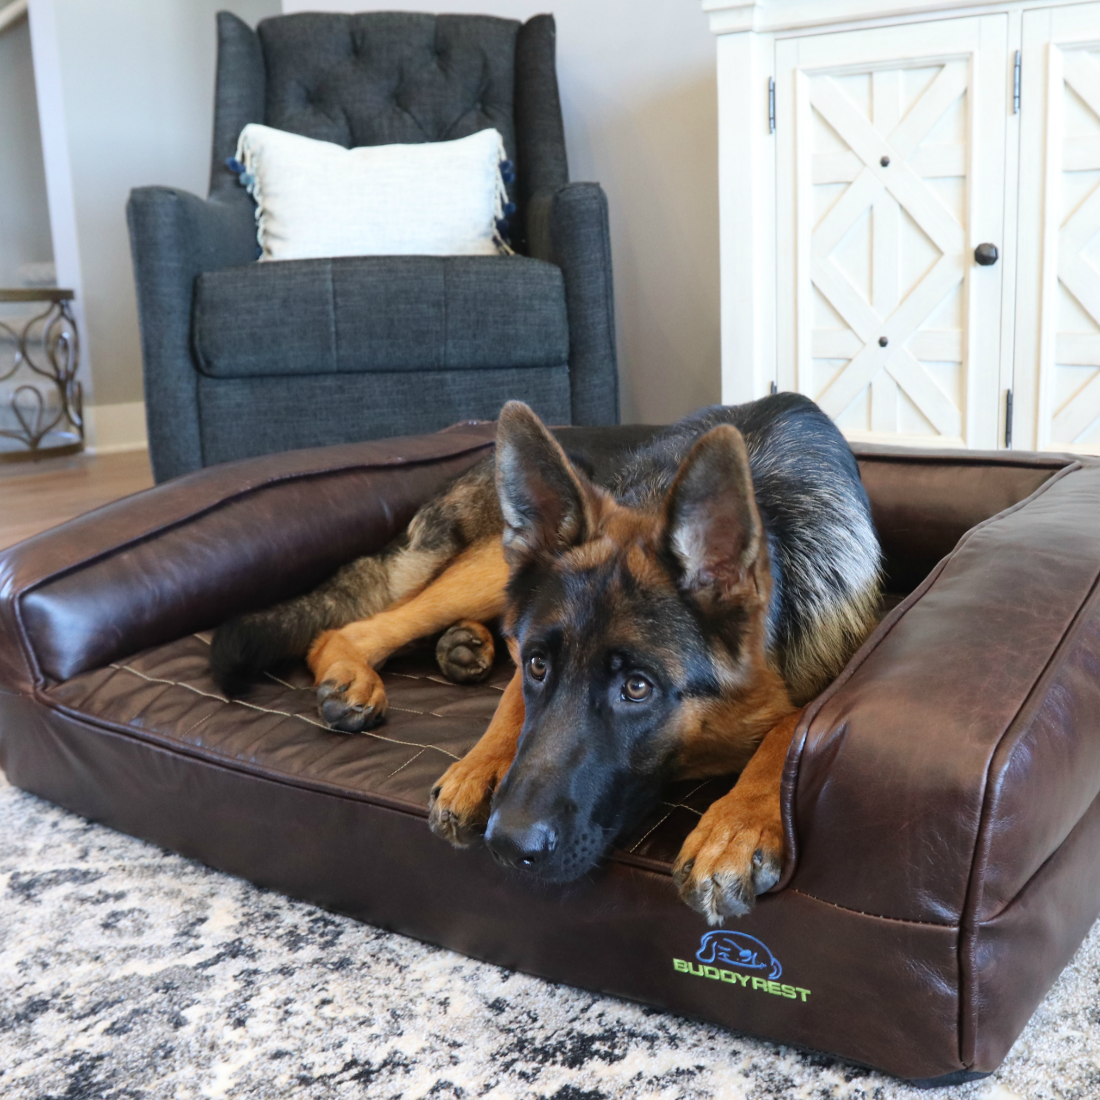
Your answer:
<point x="377" y="78"/>
<point x="384" y="77"/>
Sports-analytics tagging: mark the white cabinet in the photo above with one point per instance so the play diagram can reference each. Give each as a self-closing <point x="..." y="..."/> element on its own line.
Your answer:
<point x="894" y="144"/>
<point x="1058" y="282"/>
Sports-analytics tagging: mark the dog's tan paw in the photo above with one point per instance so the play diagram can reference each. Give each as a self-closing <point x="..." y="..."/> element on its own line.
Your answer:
<point x="734" y="854"/>
<point x="351" y="698"/>
<point x="350" y="694"/>
<point x="465" y="652"/>
<point x="460" y="800"/>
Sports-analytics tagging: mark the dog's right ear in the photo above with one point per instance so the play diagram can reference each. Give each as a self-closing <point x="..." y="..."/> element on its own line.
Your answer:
<point x="543" y="499"/>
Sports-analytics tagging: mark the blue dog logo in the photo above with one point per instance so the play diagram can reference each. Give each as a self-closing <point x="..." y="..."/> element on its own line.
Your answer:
<point x="738" y="949"/>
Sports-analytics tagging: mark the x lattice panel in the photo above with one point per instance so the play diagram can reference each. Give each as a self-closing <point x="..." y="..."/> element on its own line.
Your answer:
<point x="893" y="335"/>
<point x="1069" y="408"/>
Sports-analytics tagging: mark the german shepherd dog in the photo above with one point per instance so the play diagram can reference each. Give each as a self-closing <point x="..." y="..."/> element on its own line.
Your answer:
<point x="667" y="623"/>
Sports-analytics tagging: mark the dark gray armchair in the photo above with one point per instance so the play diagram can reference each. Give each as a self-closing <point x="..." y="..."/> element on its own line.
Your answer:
<point x="244" y="358"/>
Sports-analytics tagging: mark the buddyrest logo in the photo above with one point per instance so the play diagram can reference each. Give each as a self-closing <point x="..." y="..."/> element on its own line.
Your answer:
<point x="741" y="952"/>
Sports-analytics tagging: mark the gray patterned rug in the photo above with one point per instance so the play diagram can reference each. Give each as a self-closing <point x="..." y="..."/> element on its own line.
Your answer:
<point x="129" y="972"/>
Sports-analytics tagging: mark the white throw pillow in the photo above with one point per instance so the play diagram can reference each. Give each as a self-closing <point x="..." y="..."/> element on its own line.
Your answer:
<point x="315" y="199"/>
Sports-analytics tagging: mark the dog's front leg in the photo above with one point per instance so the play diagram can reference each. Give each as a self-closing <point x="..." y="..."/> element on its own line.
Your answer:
<point x="344" y="661"/>
<point x="736" y="850"/>
<point x="460" y="800"/>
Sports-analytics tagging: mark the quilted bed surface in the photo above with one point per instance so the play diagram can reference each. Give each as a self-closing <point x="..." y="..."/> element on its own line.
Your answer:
<point x="168" y="695"/>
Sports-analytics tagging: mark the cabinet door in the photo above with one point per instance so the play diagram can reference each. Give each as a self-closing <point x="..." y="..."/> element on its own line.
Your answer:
<point x="890" y="170"/>
<point x="1058" y="288"/>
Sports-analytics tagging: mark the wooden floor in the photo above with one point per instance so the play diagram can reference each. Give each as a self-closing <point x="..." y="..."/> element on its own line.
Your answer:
<point x="37" y="495"/>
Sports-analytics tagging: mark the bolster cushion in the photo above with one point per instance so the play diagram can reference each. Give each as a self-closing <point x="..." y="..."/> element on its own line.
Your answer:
<point x="218" y="542"/>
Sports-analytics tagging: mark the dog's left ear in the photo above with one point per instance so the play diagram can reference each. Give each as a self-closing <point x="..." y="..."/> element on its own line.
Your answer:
<point x="712" y="526"/>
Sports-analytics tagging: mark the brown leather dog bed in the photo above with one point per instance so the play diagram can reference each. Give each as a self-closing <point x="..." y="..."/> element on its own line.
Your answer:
<point x="940" y="797"/>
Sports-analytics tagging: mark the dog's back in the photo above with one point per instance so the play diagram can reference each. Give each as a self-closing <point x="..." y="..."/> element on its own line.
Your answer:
<point x="825" y="558"/>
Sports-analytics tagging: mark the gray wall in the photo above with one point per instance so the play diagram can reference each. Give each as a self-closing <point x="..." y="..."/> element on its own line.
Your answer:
<point x="24" y="215"/>
<point x="137" y="80"/>
<point x="638" y="81"/>
<point x="639" y="95"/>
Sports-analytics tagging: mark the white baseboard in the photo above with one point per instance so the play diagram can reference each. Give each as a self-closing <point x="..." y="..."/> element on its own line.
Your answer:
<point x="111" y="429"/>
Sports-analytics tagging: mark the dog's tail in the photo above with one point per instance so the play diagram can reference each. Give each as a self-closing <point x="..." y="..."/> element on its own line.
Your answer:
<point x="246" y="646"/>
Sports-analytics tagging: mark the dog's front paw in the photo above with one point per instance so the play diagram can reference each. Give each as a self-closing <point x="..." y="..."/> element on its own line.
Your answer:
<point x="352" y="707"/>
<point x="350" y="694"/>
<point x="460" y="800"/>
<point x="352" y="700"/>
<point x="465" y="653"/>
<point x="734" y="854"/>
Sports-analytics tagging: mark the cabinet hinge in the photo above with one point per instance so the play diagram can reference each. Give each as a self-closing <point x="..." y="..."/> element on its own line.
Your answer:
<point x="1008" y="420"/>
<point x="1016" y="72"/>
<point x="771" y="104"/>
<point x="773" y="388"/>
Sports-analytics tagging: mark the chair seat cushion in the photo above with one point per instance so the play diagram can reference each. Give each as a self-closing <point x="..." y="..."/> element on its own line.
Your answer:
<point x="380" y="313"/>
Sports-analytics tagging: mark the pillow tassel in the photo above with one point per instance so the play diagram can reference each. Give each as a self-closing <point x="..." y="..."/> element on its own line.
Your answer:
<point x="248" y="179"/>
<point x="503" y="207"/>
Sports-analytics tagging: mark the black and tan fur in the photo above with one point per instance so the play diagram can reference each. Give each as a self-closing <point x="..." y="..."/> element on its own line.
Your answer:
<point x="668" y="623"/>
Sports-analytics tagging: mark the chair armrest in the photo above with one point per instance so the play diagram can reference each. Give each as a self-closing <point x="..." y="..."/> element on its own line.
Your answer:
<point x="231" y="538"/>
<point x="961" y="745"/>
<point x="568" y="227"/>
<point x="173" y="237"/>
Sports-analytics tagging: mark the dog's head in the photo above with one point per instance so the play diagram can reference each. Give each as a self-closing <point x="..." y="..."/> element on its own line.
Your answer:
<point x="640" y="638"/>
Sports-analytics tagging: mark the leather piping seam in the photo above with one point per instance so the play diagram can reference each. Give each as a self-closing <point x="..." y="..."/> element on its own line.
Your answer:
<point x="169" y="745"/>
<point x="968" y="925"/>
<point x="871" y="916"/>
<point x="970" y="458"/>
<point x="792" y="768"/>
<point x="156" y="532"/>
<point x="159" y="743"/>
<point x="1026" y="887"/>
<point x="178" y="748"/>
<point x="1034" y="697"/>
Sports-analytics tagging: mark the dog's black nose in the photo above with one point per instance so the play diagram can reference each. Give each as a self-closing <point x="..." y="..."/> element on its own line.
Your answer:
<point x="520" y="843"/>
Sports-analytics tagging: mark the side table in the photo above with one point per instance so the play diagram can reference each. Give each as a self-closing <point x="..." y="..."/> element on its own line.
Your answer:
<point x="42" y="419"/>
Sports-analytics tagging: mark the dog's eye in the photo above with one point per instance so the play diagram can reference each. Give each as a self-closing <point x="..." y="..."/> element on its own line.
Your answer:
<point x="636" y="688"/>
<point x="536" y="666"/>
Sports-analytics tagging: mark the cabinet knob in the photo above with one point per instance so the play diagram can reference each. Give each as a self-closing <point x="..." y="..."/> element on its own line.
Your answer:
<point x="986" y="254"/>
